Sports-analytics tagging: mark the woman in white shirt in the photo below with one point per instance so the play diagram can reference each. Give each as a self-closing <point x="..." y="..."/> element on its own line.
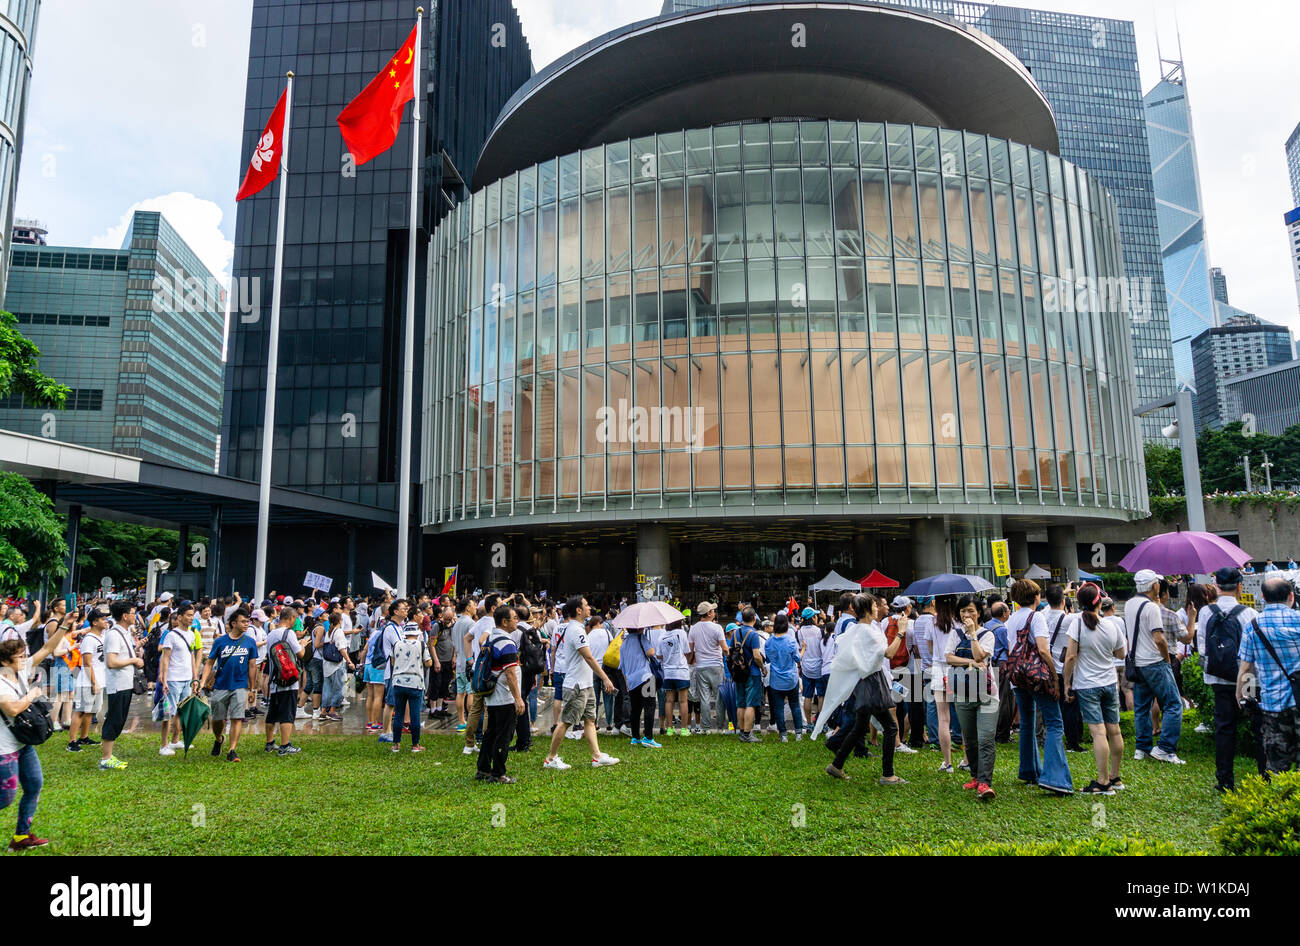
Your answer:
<point x="814" y="669"/>
<point x="947" y="627"/>
<point x="1090" y="678"/>
<point x="1050" y="771"/>
<point x="967" y="653"/>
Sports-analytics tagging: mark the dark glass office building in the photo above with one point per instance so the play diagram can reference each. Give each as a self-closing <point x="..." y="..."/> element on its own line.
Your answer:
<point x="344" y="282"/>
<point x="1087" y="68"/>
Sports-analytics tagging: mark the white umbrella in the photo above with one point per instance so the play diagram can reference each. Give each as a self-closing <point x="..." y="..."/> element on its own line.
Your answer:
<point x="648" y="614"/>
<point x="859" y="652"/>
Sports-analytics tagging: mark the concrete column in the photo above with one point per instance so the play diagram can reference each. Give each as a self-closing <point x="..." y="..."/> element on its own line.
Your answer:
<point x="350" y="576"/>
<point x="214" y="552"/>
<point x="652" y="553"/>
<point x="182" y="556"/>
<point x="930" y="552"/>
<point x="72" y="536"/>
<point x="1065" y="550"/>
<point x="1018" y="547"/>
<point x="861" y="556"/>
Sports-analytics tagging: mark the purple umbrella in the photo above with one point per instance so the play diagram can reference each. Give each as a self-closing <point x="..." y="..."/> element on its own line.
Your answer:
<point x="1184" y="553"/>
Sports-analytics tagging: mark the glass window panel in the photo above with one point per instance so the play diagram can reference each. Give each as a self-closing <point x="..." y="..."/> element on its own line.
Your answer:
<point x="963" y="306"/>
<point x="673" y="304"/>
<point x="593" y="169"/>
<point x="617" y="163"/>
<point x="785" y="145"/>
<point x="899" y="138"/>
<point x="762" y="303"/>
<point x="620" y="474"/>
<point x="705" y="466"/>
<point x="875" y="210"/>
<point x="880" y="290"/>
<point x="1018" y="397"/>
<point x="756" y="149"/>
<point x="852" y="298"/>
<point x="938" y="317"/>
<point x="620" y="317"/>
<point x="730" y="221"/>
<point x="699" y="150"/>
<point x="736" y="466"/>
<point x="994" y="399"/>
<point x="911" y="325"/>
<point x="981" y="227"/>
<point x="701" y="235"/>
<point x="594" y="438"/>
<point x="732" y="308"/>
<point x="569" y="412"/>
<point x="787" y="197"/>
<point x="812" y="136"/>
<point x="547" y="245"/>
<point x="976" y="157"/>
<point x="645" y="235"/>
<point x="902" y="202"/>
<point x="702" y="302"/>
<point x="844" y="144"/>
<point x="954" y="197"/>
<point x="760" y="238"/>
<point x="593" y="234"/>
<point x="735" y="400"/>
<point x="618" y="256"/>
<point x="570" y="257"/>
<point x="952" y="156"/>
<point x="672" y="157"/>
<point x="1003" y="224"/>
<point x="726" y="147"/>
<point x="927" y="149"/>
<point x="846" y="201"/>
<point x="672" y="222"/>
<point x="1025" y="229"/>
<point x="857" y="383"/>
<point x="817" y="213"/>
<point x="704" y="398"/>
<point x="646" y="313"/>
<point x="796" y="409"/>
<point x="871" y="144"/>
<point x="888" y="400"/>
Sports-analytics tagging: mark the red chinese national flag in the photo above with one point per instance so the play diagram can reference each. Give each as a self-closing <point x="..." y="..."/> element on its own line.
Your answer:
<point x="369" y="122"/>
<point x="265" y="163"/>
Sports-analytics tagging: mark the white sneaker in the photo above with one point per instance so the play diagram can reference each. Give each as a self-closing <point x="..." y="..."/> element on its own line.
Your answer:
<point x="1201" y="727"/>
<point x="469" y="750"/>
<point x="625" y="730"/>
<point x="166" y="750"/>
<point x="798" y="736"/>
<point x="1160" y="755"/>
<point x="178" y="744"/>
<point x="302" y="714"/>
<point x="557" y="763"/>
<point x="603" y="759"/>
<point x="315" y="714"/>
<point x="572" y="734"/>
<point x="1139" y="755"/>
<point x="905" y="749"/>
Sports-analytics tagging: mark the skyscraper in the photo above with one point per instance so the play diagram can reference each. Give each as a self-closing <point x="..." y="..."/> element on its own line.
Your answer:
<point x="344" y="281"/>
<point x="17" y="34"/>
<point x="1180" y="214"/>
<point x="1087" y="68"/>
<point x="1242" y="344"/>
<point x="1219" y="285"/>
<point x="136" y="334"/>
<point x="1293" y="164"/>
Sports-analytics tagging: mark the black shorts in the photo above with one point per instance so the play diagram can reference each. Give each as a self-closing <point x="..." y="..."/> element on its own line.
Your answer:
<point x="283" y="707"/>
<point x="116" y="709"/>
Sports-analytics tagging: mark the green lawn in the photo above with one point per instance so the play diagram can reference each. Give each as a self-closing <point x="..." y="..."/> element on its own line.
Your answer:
<point x="699" y="795"/>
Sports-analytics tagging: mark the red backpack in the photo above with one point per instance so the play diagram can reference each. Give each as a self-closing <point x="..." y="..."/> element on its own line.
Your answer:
<point x="901" y="656"/>
<point x="1028" y="670"/>
<point x="282" y="666"/>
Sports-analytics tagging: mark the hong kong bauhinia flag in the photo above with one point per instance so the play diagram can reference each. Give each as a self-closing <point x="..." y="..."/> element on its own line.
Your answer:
<point x="369" y="122"/>
<point x="265" y="163"/>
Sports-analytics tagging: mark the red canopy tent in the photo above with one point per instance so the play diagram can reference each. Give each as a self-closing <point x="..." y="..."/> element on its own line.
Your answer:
<point x="877" y="580"/>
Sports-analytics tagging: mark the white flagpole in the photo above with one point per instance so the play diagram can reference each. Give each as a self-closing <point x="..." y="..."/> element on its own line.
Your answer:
<point x="408" y="365"/>
<point x="272" y="358"/>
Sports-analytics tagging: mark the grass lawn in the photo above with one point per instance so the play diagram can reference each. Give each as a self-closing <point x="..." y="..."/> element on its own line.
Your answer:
<point x="698" y="795"/>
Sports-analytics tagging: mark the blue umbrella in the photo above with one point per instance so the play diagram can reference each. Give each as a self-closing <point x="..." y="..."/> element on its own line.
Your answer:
<point x="947" y="584"/>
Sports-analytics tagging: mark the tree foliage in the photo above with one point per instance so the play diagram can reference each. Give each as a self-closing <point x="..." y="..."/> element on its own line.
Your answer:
<point x="31" y="535"/>
<point x="1222" y="468"/>
<point x="122" y="550"/>
<point x="19" y="368"/>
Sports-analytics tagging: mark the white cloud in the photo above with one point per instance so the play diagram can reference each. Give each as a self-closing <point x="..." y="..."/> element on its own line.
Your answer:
<point x="198" y="222"/>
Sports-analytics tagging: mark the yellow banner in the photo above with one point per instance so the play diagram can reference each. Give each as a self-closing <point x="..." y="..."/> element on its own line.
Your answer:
<point x="1001" y="558"/>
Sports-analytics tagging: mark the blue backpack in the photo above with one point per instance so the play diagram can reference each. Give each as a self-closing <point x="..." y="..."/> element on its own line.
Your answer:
<point x="378" y="658"/>
<point x="482" y="680"/>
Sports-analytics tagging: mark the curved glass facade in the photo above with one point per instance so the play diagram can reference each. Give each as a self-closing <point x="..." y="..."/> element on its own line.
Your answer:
<point x="17" y="30"/>
<point x="801" y="312"/>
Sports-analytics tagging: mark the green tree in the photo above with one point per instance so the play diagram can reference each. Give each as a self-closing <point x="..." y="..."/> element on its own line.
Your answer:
<point x="1164" y="469"/>
<point x="19" y="370"/>
<point x="31" y="535"/>
<point x="122" y="550"/>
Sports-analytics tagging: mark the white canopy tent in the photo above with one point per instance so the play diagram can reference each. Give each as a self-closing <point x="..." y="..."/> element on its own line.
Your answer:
<point x="835" y="582"/>
<point x="1037" y="571"/>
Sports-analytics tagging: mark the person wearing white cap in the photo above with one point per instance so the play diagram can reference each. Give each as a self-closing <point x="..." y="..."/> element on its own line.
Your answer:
<point x="706" y="649"/>
<point x="1149" y="664"/>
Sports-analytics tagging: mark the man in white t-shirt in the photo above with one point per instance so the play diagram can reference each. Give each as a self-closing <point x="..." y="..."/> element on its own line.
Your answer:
<point x="579" y="695"/>
<point x="1227" y="711"/>
<point x="177" y="666"/>
<point x="283" y="707"/>
<point x="121" y="663"/>
<point x="89" y="683"/>
<point x="478" y="634"/>
<point x="706" y="650"/>
<point x="1145" y="637"/>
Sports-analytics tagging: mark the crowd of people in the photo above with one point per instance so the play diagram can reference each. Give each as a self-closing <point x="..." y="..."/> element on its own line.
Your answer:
<point x="958" y="674"/>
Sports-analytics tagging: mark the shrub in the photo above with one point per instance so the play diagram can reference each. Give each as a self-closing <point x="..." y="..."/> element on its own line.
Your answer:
<point x="1199" y="692"/>
<point x="1262" y="817"/>
<point x="1100" y="846"/>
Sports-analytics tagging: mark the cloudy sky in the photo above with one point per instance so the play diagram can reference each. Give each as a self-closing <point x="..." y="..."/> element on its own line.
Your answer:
<point x="143" y="111"/>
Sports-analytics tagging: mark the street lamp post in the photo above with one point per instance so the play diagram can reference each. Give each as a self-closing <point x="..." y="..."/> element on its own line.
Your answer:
<point x="1186" y="431"/>
<point x="1245" y="461"/>
<point x="1266" y="466"/>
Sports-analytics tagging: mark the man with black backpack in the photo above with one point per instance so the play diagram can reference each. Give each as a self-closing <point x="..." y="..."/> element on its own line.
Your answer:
<point x="746" y="664"/>
<point x="1219" y="629"/>
<point x="1269" y="674"/>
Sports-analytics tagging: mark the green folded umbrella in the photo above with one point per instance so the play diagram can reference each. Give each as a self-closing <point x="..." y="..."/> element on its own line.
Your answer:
<point x="192" y="713"/>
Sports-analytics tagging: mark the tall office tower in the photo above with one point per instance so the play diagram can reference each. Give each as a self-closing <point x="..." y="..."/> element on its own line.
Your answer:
<point x="136" y="334"/>
<point x="1180" y="214"/>
<point x="1293" y="163"/>
<point x="1240" y="345"/>
<point x="17" y="34"/>
<point x="344" y="283"/>
<point x="1087" y="68"/>
<point x="1219" y="285"/>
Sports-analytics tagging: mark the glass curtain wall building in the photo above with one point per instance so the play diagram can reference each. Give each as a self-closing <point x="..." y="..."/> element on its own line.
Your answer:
<point x="17" y="36"/>
<point x="1087" y="67"/>
<point x="1182" y="222"/>
<point x="343" y="299"/>
<point x="814" y="320"/>
<point x="136" y="334"/>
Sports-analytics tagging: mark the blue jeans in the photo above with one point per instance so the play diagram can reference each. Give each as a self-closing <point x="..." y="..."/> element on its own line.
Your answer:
<point x="404" y="697"/>
<point x="1051" y="769"/>
<point x="333" y="687"/>
<point x="777" y="699"/>
<point x="1157" y="684"/>
<point x="21" y="768"/>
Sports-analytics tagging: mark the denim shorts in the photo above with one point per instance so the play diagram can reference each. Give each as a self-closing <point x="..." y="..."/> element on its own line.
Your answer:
<point x="1099" y="704"/>
<point x="753" y="691"/>
<point x="62" y="678"/>
<point x="670" y="684"/>
<point x="374" y="674"/>
<point x="814" y="686"/>
<point x="314" y="676"/>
